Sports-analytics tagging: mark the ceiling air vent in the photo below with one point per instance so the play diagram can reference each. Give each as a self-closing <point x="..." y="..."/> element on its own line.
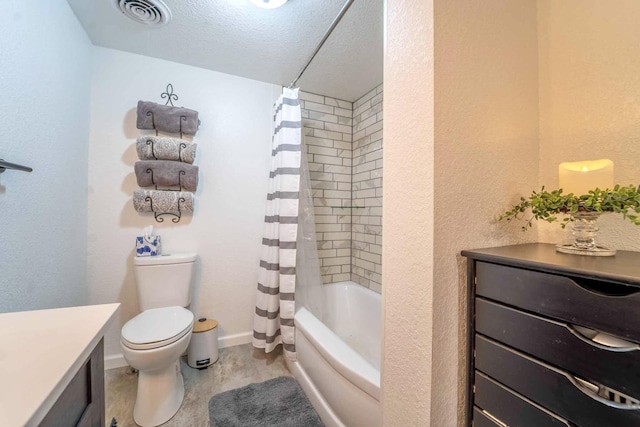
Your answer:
<point x="148" y="12"/>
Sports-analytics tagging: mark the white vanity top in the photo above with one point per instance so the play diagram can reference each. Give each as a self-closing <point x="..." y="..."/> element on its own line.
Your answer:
<point x="40" y="352"/>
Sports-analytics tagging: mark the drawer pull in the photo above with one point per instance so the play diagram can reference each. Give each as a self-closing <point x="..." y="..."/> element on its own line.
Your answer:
<point x="604" y="288"/>
<point x="598" y="339"/>
<point x="603" y="394"/>
<point x="494" y="419"/>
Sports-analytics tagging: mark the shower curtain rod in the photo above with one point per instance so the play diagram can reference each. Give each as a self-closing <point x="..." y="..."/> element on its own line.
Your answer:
<point x="333" y="25"/>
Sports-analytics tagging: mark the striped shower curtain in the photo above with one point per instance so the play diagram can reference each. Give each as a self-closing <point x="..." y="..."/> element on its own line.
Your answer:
<point x="275" y="296"/>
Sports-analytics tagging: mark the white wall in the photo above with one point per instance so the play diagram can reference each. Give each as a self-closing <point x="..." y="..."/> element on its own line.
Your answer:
<point x="486" y="156"/>
<point x="407" y="252"/>
<point x="590" y="98"/>
<point x="525" y="86"/>
<point x="234" y="148"/>
<point x="44" y="117"/>
<point x="461" y="128"/>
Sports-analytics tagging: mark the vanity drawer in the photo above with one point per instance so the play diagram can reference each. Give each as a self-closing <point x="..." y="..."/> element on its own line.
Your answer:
<point x="549" y="387"/>
<point x="609" y="307"/>
<point x="562" y="345"/>
<point x="509" y="408"/>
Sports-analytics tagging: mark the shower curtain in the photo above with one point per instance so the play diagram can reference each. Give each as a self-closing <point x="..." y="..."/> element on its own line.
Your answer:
<point x="275" y="296"/>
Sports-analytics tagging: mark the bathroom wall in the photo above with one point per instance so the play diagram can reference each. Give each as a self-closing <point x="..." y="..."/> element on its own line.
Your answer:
<point x="328" y="133"/>
<point x="590" y="98"/>
<point x="407" y="282"/>
<point x="346" y="178"/>
<point x="486" y="156"/>
<point x="527" y="85"/>
<point x="366" y="262"/>
<point x="234" y="148"/>
<point x="461" y="130"/>
<point x="44" y="117"/>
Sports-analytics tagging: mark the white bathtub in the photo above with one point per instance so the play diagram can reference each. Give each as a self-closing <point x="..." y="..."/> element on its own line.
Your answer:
<point x="338" y="363"/>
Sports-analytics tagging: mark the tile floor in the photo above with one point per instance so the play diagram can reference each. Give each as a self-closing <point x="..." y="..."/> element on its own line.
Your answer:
<point x="236" y="367"/>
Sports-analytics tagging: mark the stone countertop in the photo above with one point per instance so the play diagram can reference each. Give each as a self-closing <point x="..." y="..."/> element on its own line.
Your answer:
<point x="40" y="352"/>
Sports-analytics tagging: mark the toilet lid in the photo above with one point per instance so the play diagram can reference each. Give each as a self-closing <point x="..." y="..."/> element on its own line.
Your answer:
<point x="157" y="327"/>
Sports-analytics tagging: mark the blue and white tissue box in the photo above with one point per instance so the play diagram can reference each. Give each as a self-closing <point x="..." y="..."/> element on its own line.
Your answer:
<point x="148" y="246"/>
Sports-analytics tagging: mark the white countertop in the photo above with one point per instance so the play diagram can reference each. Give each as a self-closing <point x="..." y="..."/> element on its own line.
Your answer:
<point x="40" y="352"/>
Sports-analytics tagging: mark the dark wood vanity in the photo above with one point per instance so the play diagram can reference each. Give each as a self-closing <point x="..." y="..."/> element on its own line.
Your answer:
<point x="554" y="339"/>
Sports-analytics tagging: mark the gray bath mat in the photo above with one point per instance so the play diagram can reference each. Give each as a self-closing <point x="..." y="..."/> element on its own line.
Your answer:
<point x="279" y="402"/>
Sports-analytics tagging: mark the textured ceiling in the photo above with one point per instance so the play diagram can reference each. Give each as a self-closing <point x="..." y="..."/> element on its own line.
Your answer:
<point x="236" y="37"/>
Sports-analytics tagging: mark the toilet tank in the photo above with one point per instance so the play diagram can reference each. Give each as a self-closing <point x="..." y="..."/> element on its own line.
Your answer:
<point x="164" y="280"/>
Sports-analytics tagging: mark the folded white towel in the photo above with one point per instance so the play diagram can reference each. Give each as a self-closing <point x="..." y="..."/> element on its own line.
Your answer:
<point x="163" y="148"/>
<point x="161" y="201"/>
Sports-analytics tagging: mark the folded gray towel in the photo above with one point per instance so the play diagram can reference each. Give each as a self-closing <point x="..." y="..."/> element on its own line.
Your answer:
<point x="166" y="118"/>
<point x="162" y="148"/>
<point x="162" y="201"/>
<point x="166" y="173"/>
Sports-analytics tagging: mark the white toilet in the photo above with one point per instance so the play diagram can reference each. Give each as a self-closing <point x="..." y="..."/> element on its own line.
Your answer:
<point x="154" y="340"/>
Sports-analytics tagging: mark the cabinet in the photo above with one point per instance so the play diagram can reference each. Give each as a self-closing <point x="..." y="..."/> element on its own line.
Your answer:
<point x="82" y="402"/>
<point x="554" y="339"/>
<point x="53" y="366"/>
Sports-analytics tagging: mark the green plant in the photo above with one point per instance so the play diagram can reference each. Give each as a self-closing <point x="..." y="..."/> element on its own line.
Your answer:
<point x="546" y="205"/>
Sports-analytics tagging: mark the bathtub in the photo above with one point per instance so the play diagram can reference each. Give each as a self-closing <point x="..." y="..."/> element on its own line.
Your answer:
<point x="338" y="364"/>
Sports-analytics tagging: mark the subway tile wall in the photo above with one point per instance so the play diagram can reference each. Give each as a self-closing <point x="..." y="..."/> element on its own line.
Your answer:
<point x="366" y="190"/>
<point x="328" y="130"/>
<point x="344" y="150"/>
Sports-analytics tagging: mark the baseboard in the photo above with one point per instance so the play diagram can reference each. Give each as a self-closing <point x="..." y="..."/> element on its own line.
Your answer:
<point x="117" y="360"/>
<point x="235" y="339"/>
<point x="114" y="361"/>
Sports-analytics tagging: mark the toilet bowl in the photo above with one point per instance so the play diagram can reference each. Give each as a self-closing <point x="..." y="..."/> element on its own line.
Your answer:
<point x="153" y="342"/>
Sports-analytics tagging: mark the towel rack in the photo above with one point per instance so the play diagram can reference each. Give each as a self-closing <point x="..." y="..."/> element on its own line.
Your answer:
<point x="169" y="95"/>
<point x="7" y="165"/>
<point x="170" y="98"/>
<point x="181" y="173"/>
<point x="158" y="215"/>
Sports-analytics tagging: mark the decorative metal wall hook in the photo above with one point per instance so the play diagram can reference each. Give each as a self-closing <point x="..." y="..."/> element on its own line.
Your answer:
<point x="169" y="95"/>
<point x="150" y="171"/>
<point x="150" y="142"/>
<point x="181" y="147"/>
<point x="182" y="119"/>
<point x="153" y="122"/>
<point x="153" y="148"/>
<point x="159" y="216"/>
<point x="181" y="173"/>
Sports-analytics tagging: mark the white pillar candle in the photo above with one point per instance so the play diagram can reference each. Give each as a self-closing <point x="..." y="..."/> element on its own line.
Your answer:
<point x="580" y="177"/>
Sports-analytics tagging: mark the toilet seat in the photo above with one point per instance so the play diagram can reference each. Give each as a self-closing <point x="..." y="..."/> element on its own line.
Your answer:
<point x="156" y="328"/>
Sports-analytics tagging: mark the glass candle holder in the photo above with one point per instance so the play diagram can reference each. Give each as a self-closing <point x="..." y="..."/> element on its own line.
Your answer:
<point x="584" y="231"/>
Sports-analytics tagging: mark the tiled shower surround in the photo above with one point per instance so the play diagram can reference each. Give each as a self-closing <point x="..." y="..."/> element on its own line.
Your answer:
<point x="366" y="191"/>
<point x="344" y="149"/>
